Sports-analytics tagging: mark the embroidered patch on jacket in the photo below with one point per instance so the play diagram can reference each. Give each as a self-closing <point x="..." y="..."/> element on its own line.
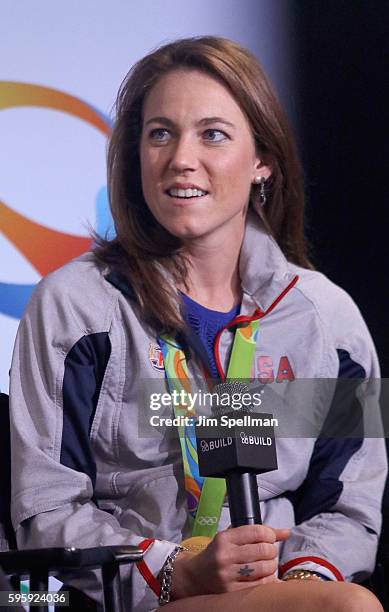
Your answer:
<point x="155" y="357"/>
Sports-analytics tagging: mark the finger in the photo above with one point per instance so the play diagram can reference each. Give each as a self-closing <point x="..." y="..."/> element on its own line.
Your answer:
<point x="255" y="570"/>
<point x="248" y="553"/>
<point x="249" y="534"/>
<point x="282" y="534"/>
<point x="266" y="580"/>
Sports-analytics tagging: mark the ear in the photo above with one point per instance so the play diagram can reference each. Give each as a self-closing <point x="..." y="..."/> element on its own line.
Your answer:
<point x="261" y="169"/>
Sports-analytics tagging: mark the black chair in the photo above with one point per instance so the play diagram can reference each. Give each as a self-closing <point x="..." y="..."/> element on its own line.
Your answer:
<point x="37" y="565"/>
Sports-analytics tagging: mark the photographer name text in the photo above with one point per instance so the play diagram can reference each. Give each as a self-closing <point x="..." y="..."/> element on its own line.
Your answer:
<point x="224" y="420"/>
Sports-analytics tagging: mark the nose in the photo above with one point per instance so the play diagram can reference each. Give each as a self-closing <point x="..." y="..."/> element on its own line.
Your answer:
<point x="183" y="155"/>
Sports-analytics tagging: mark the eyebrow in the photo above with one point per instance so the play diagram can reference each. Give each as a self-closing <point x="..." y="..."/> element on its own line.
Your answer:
<point x="204" y="121"/>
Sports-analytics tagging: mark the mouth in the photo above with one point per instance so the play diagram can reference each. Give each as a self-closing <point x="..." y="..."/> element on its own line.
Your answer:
<point x="186" y="194"/>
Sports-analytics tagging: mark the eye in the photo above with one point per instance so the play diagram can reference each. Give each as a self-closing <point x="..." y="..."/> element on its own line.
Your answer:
<point x="213" y="135"/>
<point x="159" y="134"/>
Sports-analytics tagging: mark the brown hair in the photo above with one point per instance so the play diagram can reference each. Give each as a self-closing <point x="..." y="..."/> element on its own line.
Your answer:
<point x="143" y="251"/>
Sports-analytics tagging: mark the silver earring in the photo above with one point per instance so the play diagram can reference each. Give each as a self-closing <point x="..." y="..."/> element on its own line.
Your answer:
<point x="260" y="180"/>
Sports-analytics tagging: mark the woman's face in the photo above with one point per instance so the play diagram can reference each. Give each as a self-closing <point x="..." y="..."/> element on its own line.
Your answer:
<point x="198" y="158"/>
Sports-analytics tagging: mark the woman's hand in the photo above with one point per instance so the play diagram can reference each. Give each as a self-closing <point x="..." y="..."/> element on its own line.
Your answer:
<point x="235" y="559"/>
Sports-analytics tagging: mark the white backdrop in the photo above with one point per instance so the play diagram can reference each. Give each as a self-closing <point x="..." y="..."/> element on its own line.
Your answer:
<point x="72" y="57"/>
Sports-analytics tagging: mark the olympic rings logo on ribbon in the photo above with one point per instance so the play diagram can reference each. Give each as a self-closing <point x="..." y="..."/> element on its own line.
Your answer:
<point x="207" y="520"/>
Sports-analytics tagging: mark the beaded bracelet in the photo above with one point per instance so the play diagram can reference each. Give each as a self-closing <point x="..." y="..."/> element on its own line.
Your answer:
<point x="300" y="574"/>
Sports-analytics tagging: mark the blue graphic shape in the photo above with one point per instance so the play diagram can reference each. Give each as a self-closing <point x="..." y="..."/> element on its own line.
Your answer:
<point x="107" y="120"/>
<point x="14" y="299"/>
<point x="104" y="221"/>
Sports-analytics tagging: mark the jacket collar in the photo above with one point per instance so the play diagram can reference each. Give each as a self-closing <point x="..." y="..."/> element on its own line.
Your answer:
<point x="263" y="268"/>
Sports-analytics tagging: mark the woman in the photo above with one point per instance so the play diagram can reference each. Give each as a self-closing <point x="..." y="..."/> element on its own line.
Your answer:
<point x="206" y="194"/>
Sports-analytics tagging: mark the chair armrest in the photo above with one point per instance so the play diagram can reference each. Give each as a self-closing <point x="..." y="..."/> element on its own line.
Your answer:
<point x="38" y="563"/>
<point x="52" y="559"/>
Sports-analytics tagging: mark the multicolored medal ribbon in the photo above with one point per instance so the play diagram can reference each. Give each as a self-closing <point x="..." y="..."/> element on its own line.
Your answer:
<point x="243" y="351"/>
<point x="205" y="496"/>
<point x="176" y="370"/>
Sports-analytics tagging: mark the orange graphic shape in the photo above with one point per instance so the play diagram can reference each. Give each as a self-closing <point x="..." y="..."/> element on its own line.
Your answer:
<point x="245" y="332"/>
<point x="46" y="249"/>
<point x="180" y="371"/>
<point x="192" y="486"/>
<point x="179" y="363"/>
<point x="14" y="94"/>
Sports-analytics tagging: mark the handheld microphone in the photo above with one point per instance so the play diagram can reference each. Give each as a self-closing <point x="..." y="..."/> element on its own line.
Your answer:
<point x="240" y="447"/>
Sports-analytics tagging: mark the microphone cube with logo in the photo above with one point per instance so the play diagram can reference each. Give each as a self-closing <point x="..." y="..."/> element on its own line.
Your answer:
<point x="239" y="442"/>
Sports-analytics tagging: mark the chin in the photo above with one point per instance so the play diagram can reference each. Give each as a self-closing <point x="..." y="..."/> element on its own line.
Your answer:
<point x="186" y="231"/>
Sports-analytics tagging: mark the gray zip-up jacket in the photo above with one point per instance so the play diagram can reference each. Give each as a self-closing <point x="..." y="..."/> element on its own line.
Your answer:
<point x="83" y="474"/>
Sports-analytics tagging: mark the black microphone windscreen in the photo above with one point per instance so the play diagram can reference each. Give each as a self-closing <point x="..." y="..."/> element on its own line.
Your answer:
<point x="226" y="392"/>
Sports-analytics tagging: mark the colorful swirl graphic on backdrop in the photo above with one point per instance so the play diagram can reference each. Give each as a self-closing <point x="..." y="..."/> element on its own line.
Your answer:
<point x="45" y="248"/>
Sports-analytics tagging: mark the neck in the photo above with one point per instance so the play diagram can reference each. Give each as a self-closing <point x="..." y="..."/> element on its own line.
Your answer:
<point x="213" y="274"/>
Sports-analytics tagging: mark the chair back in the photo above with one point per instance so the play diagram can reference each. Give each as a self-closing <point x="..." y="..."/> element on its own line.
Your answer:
<point x="7" y="535"/>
